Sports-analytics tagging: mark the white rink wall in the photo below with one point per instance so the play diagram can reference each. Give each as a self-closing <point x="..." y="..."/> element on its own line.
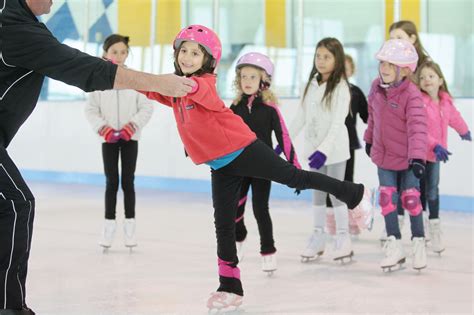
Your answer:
<point x="58" y="138"/>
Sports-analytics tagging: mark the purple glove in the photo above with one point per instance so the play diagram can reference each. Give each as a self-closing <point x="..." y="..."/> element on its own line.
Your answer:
<point x="441" y="153"/>
<point x="317" y="160"/>
<point x="466" y="136"/>
<point x="278" y="149"/>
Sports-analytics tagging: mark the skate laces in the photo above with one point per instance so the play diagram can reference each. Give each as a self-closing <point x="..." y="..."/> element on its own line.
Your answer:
<point x="220" y="300"/>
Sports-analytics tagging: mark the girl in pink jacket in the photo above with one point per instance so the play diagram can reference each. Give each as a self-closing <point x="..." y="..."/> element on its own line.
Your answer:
<point x="396" y="141"/>
<point x="441" y="113"/>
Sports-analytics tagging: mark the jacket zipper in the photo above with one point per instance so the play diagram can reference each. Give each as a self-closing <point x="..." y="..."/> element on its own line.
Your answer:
<point x="180" y="107"/>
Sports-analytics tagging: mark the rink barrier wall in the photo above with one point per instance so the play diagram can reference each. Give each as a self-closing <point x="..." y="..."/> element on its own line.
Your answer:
<point x="447" y="202"/>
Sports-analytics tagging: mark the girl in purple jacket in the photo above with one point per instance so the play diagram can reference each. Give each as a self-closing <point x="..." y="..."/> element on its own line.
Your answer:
<point x="441" y="113"/>
<point x="396" y="141"/>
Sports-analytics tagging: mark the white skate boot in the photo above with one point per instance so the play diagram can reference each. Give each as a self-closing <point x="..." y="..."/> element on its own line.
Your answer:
<point x="383" y="237"/>
<point x="342" y="247"/>
<point x="240" y="250"/>
<point x="401" y="222"/>
<point x="426" y="227"/>
<point x="223" y="302"/>
<point x="269" y="263"/>
<point x="394" y="254"/>
<point x="436" y="241"/>
<point x="108" y="234"/>
<point x="419" y="253"/>
<point x="129" y="233"/>
<point x="315" y="247"/>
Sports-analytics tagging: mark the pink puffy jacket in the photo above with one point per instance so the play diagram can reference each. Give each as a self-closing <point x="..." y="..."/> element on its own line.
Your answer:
<point x="440" y="116"/>
<point x="397" y="125"/>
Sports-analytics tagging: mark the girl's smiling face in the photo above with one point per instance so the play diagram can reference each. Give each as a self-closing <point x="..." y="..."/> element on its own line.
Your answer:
<point x="190" y="57"/>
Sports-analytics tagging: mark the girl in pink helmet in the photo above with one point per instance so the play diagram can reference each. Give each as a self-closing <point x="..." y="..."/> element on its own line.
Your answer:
<point x="257" y="105"/>
<point x="441" y="114"/>
<point x="396" y="141"/>
<point x="212" y="134"/>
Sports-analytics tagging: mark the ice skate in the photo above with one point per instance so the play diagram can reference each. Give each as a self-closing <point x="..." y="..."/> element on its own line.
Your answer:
<point x="354" y="229"/>
<point x="221" y="302"/>
<point x="315" y="247"/>
<point x="240" y="250"/>
<point x="419" y="253"/>
<point x="269" y="263"/>
<point x="129" y="233"/>
<point x="394" y="254"/>
<point x="437" y="245"/>
<point x="362" y="216"/>
<point x="342" y="247"/>
<point x="108" y="234"/>
<point x="401" y="222"/>
<point x="383" y="237"/>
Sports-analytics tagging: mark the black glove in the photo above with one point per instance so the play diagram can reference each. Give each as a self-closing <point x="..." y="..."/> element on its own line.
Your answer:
<point x="297" y="192"/>
<point x="368" y="146"/>
<point x="418" y="167"/>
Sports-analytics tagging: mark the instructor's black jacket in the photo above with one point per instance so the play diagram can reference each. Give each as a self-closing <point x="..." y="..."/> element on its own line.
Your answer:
<point x="28" y="53"/>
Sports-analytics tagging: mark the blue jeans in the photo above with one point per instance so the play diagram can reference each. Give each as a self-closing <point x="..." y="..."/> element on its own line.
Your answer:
<point x="407" y="180"/>
<point x="432" y="192"/>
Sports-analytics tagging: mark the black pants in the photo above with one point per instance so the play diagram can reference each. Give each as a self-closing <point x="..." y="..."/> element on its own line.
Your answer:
<point x="128" y="151"/>
<point x="260" y="161"/>
<point x="17" y="211"/>
<point x="260" y="197"/>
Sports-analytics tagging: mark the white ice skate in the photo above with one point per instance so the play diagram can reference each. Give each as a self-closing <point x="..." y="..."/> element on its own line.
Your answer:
<point x="401" y="222"/>
<point x="129" y="233"/>
<point x="342" y="247"/>
<point x="315" y="247"/>
<point x="240" y="250"/>
<point x="437" y="245"/>
<point x="223" y="302"/>
<point x="362" y="216"/>
<point x="419" y="253"/>
<point x="108" y="233"/>
<point x="383" y="237"/>
<point x="394" y="254"/>
<point x="269" y="263"/>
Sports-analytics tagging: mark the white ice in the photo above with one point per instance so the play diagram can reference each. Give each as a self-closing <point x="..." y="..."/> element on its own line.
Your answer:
<point x="173" y="269"/>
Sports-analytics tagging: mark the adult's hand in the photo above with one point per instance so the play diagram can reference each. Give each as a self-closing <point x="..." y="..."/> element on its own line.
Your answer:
<point x="173" y="85"/>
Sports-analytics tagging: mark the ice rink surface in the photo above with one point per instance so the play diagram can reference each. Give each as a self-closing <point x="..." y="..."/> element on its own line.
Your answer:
<point x="174" y="267"/>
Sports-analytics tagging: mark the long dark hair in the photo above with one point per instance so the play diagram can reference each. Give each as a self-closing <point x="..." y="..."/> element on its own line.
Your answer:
<point x="114" y="39"/>
<point x="335" y="48"/>
<point x="207" y="64"/>
<point x="410" y="28"/>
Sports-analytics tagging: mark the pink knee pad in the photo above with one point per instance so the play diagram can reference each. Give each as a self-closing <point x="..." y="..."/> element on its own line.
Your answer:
<point x="385" y="199"/>
<point x="411" y="201"/>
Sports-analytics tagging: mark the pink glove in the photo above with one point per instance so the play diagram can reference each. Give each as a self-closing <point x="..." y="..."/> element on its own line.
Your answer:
<point x="128" y="131"/>
<point x="109" y="134"/>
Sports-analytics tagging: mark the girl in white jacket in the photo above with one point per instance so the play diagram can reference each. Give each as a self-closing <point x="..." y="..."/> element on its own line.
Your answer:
<point x="325" y="105"/>
<point x="118" y="117"/>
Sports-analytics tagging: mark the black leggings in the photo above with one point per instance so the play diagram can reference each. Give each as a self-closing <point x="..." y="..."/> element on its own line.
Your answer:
<point x="17" y="211"/>
<point x="110" y="152"/>
<point x="258" y="160"/>
<point x="260" y="197"/>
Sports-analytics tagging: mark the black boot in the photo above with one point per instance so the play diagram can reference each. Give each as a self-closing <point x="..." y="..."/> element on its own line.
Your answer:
<point x="25" y="311"/>
<point x="351" y="194"/>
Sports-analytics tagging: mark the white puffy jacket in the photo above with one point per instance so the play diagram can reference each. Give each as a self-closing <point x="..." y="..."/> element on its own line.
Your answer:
<point x="325" y="129"/>
<point x="116" y="108"/>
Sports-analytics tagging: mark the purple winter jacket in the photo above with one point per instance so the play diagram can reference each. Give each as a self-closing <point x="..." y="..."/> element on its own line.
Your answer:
<point x="397" y="125"/>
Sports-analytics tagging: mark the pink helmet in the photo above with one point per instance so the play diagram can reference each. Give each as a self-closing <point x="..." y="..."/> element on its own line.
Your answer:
<point x="400" y="52"/>
<point x="256" y="59"/>
<point x="201" y="35"/>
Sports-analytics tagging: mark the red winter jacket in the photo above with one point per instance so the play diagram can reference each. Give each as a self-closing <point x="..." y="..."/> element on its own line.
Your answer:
<point x="397" y="125"/>
<point x="208" y="129"/>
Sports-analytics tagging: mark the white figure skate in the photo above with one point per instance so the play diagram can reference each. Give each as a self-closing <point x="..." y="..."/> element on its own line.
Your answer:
<point x="419" y="253"/>
<point x="108" y="233"/>
<point x="437" y="245"/>
<point x="342" y="247"/>
<point x="223" y="302"/>
<point x="269" y="263"/>
<point x="129" y="233"/>
<point x="315" y="247"/>
<point x="394" y="254"/>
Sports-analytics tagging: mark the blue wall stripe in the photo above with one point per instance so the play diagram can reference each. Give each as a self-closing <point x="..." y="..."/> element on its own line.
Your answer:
<point x="448" y="202"/>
